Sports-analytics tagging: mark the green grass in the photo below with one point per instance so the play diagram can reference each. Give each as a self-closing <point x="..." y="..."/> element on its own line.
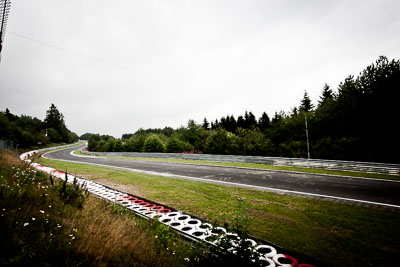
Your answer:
<point x="262" y="166"/>
<point x="334" y="233"/>
<point x="44" y="223"/>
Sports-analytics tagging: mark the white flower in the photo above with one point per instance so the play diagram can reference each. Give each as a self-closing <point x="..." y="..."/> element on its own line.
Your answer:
<point x="26" y="224"/>
<point x="41" y="211"/>
<point x="33" y="219"/>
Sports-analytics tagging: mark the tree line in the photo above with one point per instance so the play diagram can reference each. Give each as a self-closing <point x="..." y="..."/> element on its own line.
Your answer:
<point x="27" y="131"/>
<point x="357" y="122"/>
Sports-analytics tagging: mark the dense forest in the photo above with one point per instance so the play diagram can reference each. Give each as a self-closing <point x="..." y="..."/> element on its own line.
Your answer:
<point x="28" y="132"/>
<point x="357" y="122"/>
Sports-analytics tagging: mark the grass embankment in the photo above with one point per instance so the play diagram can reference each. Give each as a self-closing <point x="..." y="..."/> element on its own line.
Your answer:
<point x="334" y="233"/>
<point x="44" y="222"/>
<point x="262" y="166"/>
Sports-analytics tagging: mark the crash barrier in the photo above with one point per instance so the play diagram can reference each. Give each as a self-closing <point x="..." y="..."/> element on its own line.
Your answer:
<point x="7" y="145"/>
<point x="187" y="225"/>
<point x="337" y="165"/>
<point x="57" y="147"/>
<point x="25" y="156"/>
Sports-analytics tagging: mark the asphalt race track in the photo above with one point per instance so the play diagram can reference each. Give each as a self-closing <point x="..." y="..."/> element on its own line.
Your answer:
<point x="364" y="191"/>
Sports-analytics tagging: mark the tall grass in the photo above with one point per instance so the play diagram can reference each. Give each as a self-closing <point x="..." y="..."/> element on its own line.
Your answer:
<point x="47" y="222"/>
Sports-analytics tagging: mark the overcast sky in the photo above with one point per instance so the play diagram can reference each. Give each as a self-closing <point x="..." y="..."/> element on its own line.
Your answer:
<point x="112" y="67"/>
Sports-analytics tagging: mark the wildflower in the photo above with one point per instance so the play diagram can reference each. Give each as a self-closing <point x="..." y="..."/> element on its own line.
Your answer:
<point x="41" y="211"/>
<point x="49" y="206"/>
<point x="26" y="224"/>
<point x="156" y="236"/>
<point x="186" y="259"/>
<point x="33" y="218"/>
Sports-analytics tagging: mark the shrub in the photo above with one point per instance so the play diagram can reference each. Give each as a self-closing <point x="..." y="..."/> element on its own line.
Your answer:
<point x="175" y="145"/>
<point x="153" y="144"/>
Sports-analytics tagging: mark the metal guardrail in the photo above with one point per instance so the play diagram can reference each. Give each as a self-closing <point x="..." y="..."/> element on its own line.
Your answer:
<point x="7" y="145"/>
<point x="338" y="165"/>
<point x="58" y="147"/>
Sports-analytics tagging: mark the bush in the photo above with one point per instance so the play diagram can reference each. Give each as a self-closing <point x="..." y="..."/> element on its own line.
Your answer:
<point x="221" y="142"/>
<point x="153" y="144"/>
<point x="136" y="143"/>
<point x="174" y="145"/>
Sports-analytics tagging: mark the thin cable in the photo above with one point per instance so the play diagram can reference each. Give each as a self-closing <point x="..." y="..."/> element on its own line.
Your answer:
<point x="91" y="58"/>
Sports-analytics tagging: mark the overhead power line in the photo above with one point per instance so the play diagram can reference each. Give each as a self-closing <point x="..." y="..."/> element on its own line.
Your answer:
<point x="70" y="51"/>
<point x="93" y="58"/>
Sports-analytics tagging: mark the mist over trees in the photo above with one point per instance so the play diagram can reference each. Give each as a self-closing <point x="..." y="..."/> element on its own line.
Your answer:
<point x="357" y="122"/>
<point x="27" y="131"/>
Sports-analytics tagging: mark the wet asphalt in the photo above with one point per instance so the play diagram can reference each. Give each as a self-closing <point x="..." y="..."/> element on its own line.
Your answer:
<point x="369" y="192"/>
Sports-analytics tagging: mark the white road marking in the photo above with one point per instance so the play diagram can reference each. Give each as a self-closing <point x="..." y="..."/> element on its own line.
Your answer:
<point x="238" y="184"/>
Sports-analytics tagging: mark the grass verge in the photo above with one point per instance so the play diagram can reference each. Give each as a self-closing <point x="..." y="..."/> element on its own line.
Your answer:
<point x="262" y="166"/>
<point x="335" y="233"/>
<point x="44" y="222"/>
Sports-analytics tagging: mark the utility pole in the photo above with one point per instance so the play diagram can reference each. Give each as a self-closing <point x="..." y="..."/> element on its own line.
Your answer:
<point x="4" y="10"/>
<point x="308" y="144"/>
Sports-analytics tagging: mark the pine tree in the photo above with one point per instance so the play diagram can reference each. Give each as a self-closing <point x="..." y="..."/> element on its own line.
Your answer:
<point x="206" y="125"/>
<point x="249" y="120"/>
<point x="240" y="122"/>
<point x="327" y="93"/>
<point x="223" y="123"/>
<point x="215" y="125"/>
<point x="263" y="122"/>
<point x="306" y="104"/>
<point x="55" y="126"/>
<point x="232" y="124"/>
<point x="252" y="121"/>
<point x="54" y="118"/>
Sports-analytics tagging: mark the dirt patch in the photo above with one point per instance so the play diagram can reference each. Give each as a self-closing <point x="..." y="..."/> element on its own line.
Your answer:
<point x="127" y="188"/>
